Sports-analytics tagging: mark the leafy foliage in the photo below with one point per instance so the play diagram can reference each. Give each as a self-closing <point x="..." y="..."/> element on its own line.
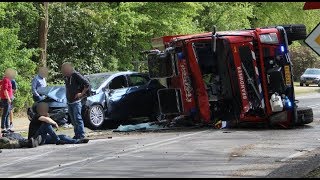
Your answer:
<point x="302" y="58"/>
<point x="226" y="15"/>
<point x="19" y="59"/>
<point x="108" y="36"/>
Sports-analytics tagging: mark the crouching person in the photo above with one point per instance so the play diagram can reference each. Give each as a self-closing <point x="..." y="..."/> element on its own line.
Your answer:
<point x="42" y="125"/>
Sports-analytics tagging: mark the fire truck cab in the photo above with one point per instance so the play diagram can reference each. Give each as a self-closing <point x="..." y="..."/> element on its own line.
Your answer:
<point x="235" y="76"/>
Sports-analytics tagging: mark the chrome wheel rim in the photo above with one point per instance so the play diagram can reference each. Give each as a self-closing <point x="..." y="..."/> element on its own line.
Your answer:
<point x="96" y="115"/>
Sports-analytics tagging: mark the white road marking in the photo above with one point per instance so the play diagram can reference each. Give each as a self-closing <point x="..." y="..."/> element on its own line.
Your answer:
<point x="25" y="158"/>
<point x="314" y="106"/>
<point x="300" y="153"/>
<point x="49" y="170"/>
<point x="46" y="153"/>
<point x="115" y="156"/>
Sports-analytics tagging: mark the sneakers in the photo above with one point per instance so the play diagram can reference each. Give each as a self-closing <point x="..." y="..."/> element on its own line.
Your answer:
<point x="83" y="141"/>
<point x="7" y="131"/>
<point x="31" y="143"/>
<point x="67" y="126"/>
<point x="34" y="142"/>
<point x="4" y="131"/>
<point x="60" y="142"/>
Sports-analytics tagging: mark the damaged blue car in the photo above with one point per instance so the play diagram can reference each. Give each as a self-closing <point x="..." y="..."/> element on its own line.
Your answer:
<point x="113" y="97"/>
<point x="55" y="96"/>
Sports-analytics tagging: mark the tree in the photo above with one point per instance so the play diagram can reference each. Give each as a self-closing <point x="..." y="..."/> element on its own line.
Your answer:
<point x="302" y="58"/>
<point x="43" y="34"/>
<point x="225" y="15"/>
<point x="277" y="13"/>
<point x="19" y="59"/>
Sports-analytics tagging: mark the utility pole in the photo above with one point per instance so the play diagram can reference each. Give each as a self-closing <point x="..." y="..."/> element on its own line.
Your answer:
<point x="43" y="34"/>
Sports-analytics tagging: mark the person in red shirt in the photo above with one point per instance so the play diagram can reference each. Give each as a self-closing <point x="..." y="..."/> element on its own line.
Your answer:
<point x="6" y="94"/>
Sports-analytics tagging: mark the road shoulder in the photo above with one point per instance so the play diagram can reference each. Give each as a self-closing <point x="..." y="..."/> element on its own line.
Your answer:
<point x="298" y="167"/>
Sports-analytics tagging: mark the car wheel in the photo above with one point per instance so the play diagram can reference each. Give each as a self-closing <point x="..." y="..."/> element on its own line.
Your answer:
<point x="319" y="84"/>
<point x="307" y="84"/>
<point x="95" y="117"/>
<point x="301" y="84"/>
<point x="305" y="115"/>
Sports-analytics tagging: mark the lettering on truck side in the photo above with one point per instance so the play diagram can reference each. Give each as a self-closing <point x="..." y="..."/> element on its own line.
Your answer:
<point x="242" y="83"/>
<point x="186" y="83"/>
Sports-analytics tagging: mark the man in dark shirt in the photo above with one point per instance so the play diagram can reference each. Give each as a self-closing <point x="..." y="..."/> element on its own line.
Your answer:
<point x="76" y="88"/>
<point x="42" y="125"/>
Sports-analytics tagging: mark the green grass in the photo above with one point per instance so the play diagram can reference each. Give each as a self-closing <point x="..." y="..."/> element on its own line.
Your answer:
<point x="305" y="90"/>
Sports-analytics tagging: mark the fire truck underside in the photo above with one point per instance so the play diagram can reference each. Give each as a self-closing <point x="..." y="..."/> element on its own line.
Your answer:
<point x="228" y="78"/>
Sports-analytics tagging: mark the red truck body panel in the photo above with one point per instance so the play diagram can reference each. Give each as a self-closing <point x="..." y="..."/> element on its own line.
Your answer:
<point x="190" y="80"/>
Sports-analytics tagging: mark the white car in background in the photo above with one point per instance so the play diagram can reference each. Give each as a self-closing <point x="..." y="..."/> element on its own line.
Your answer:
<point x="310" y="76"/>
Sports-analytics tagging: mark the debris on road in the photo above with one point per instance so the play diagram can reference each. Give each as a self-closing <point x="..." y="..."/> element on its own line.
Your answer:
<point x="165" y="124"/>
<point x="139" y="127"/>
<point x="221" y="124"/>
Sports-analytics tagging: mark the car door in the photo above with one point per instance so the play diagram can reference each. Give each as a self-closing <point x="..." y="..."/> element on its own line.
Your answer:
<point x="139" y="95"/>
<point x="116" y="92"/>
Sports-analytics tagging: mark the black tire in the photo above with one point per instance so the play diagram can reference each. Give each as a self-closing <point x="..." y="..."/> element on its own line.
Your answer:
<point x="301" y="84"/>
<point x="305" y="115"/>
<point x="319" y="85"/>
<point x="94" y="117"/>
<point x="307" y="84"/>
<point x="295" y="32"/>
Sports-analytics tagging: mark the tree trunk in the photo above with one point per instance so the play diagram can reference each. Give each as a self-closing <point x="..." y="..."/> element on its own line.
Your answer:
<point x="43" y="34"/>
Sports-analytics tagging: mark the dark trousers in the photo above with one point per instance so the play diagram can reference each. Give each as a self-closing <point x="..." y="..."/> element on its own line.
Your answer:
<point x="48" y="135"/>
<point x="76" y="119"/>
<point x="5" y="113"/>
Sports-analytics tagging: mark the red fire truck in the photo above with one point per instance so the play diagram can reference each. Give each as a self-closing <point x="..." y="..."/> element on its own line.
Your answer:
<point x="243" y="76"/>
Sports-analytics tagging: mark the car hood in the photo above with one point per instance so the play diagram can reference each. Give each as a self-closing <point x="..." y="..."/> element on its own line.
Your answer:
<point x="311" y="75"/>
<point x="57" y="93"/>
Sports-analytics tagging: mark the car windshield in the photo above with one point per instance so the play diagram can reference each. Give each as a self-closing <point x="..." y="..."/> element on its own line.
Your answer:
<point x="96" y="80"/>
<point x="312" y="71"/>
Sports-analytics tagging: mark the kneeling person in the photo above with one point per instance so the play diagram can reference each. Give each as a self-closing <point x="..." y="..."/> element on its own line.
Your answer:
<point x="42" y="125"/>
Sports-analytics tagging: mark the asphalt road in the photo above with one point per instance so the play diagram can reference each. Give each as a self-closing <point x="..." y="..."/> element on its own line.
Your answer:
<point x="193" y="153"/>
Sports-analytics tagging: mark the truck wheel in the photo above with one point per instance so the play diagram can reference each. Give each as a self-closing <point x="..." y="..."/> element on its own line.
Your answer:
<point x="295" y="31"/>
<point x="94" y="117"/>
<point x="301" y="84"/>
<point x="307" y="84"/>
<point x="305" y="115"/>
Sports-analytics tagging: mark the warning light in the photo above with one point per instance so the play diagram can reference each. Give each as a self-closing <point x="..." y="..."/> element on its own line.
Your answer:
<point x="282" y="48"/>
<point x="180" y="55"/>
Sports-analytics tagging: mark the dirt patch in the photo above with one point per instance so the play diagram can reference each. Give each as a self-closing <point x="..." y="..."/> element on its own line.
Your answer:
<point x="314" y="174"/>
<point x="306" y="90"/>
<point x="240" y="151"/>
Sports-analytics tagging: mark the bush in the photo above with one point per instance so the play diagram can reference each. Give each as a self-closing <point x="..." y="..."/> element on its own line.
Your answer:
<point x="302" y="58"/>
<point x="12" y="56"/>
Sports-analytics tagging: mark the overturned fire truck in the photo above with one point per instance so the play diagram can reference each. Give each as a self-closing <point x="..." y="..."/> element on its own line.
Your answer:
<point x="241" y="77"/>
